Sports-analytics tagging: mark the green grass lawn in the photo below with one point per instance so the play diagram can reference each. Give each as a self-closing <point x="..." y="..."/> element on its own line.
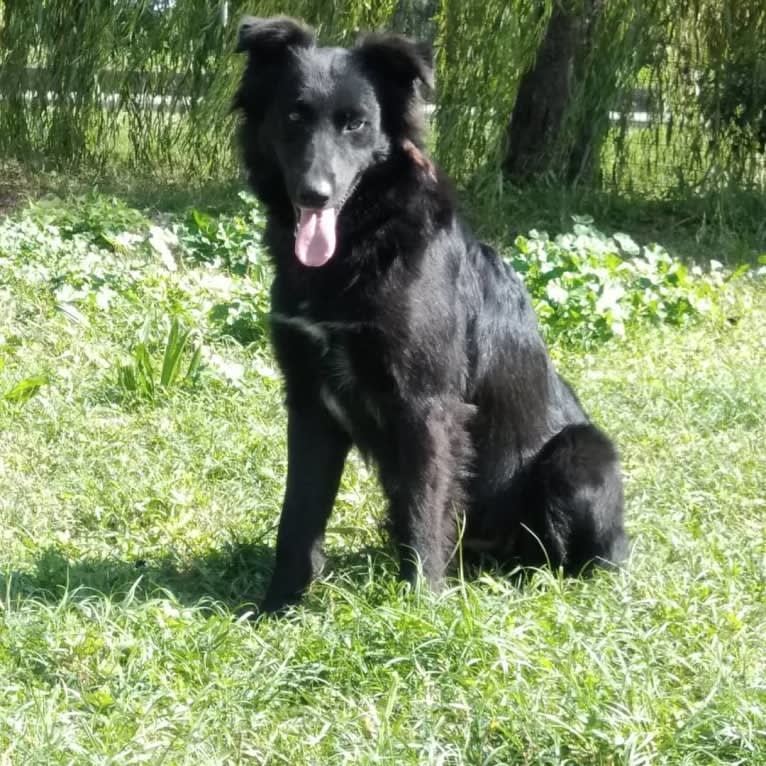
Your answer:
<point x="137" y="519"/>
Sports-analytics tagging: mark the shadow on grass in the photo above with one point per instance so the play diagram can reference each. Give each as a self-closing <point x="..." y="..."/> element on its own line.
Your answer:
<point x="235" y="576"/>
<point x="20" y="183"/>
<point x="727" y="225"/>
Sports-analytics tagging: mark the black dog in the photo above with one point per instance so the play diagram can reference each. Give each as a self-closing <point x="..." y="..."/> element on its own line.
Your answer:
<point x="398" y="332"/>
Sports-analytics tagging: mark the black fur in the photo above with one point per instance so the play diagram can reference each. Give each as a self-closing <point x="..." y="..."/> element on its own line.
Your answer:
<point x="414" y="342"/>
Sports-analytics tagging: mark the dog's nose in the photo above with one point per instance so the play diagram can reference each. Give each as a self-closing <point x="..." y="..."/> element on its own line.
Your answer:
<point x="314" y="195"/>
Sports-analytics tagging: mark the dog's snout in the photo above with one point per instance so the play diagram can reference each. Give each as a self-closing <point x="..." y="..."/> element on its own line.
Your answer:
<point x="314" y="195"/>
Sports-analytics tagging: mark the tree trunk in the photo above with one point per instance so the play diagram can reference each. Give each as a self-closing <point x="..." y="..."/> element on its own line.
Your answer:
<point x="536" y="144"/>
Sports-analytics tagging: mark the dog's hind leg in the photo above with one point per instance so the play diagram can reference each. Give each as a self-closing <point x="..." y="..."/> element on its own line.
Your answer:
<point x="316" y="453"/>
<point x="422" y="478"/>
<point x="570" y="502"/>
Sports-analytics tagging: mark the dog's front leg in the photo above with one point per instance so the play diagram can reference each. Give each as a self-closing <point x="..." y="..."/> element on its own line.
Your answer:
<point x="316" y="453"/>
<point x="422" y="483"/>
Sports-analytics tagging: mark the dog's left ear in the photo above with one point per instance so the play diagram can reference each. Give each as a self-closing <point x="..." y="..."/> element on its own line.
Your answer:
<point x="397" y="59"/>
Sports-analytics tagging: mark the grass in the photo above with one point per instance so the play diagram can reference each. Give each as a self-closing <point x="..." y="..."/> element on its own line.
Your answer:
<point x="135" y="527"/>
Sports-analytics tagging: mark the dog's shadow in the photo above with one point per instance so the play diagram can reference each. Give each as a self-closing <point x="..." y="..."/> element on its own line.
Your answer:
<point x="234" y="577"/>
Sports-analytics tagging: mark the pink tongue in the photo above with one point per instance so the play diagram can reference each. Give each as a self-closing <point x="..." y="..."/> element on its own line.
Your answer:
<point x="315" y="238"/>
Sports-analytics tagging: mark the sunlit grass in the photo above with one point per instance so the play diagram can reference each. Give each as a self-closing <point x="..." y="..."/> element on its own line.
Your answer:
<point x="134" y="529"/>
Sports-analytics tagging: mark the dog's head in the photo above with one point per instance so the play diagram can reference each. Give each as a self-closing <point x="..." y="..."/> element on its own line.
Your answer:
<point x="316" y="118"/>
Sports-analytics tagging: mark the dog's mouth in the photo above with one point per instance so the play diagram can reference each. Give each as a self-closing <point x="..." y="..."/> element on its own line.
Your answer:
<point x="316" y="230"/>
<point x="315" y="235"/>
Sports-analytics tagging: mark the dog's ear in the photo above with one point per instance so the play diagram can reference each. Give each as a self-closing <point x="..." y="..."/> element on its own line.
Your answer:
<point x="266" y="39"/>
<point x="398" y="59"/>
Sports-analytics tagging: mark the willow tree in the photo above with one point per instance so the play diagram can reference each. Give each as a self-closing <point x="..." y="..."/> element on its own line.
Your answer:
<point x="651" y="95"/>
<point x="546" y="90"/>
<point x="582" y="73"/>
<point x="526" y="88"/>
<point x="147" y="82"/>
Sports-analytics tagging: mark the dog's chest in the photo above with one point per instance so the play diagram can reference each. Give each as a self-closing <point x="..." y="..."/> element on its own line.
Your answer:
<point x="347" y="392"/>
<point x="349" y="369"/>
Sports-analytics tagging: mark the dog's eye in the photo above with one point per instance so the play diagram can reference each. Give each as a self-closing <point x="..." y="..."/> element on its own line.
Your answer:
<point x="352" y="124"/>
<point x="294" y="116"/>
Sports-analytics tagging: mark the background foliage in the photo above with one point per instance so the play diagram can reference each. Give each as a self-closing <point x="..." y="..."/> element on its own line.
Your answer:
<point x="145" y="81"/>
<point x="665" y="97"/>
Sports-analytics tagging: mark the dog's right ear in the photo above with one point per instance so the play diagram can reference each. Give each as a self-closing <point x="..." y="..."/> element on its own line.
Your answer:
<point x="267" y="39"/>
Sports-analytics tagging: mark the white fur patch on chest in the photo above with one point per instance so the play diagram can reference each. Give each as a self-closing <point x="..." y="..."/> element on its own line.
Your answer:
<point x="340" y="383"/>
<point x="334" y="407"/>
<point x="309" y="327"/>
